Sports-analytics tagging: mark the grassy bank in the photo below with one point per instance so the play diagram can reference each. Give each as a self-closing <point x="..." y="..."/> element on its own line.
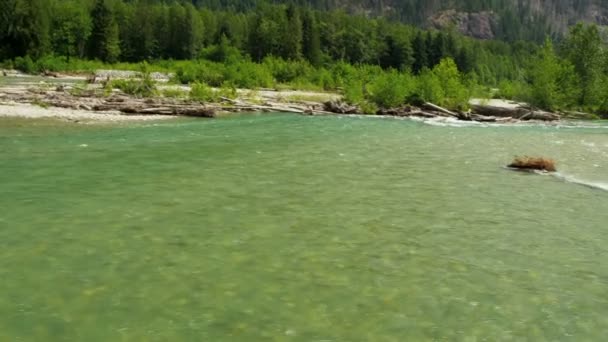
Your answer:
<point x="369" y="87"/>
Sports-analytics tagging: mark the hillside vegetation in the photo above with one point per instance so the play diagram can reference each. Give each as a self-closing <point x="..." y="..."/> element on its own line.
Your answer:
<point x="375" y="62"/>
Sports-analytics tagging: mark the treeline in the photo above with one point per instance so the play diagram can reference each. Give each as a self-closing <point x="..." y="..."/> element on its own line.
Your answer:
<point x="571" y="75"/>
<point x="288" y="44"/>
<point x="512" y="20"/>
<point x="116" y="30"/>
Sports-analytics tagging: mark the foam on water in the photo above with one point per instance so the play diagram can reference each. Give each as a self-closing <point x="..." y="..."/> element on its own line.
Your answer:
<point x="453" y="122"/>
<point x="575" y="180"/>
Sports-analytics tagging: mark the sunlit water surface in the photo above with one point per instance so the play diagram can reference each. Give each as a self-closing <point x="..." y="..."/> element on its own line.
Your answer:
<point x="292" y="228"/>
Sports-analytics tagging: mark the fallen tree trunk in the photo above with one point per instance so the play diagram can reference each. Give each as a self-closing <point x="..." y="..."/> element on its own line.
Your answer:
<point x="139" y="108"/>
<point x="496" y="111"/>
<point x="483" y="118"/>
<point x="340" y="107"/>
<point x="398" y="111"/>
<point x="436" y="108"/>
<point x="540" y="115"/>
<point x="424" y="114"/>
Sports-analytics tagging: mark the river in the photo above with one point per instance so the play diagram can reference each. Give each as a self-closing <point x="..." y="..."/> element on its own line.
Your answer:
<point x="293" y="228"/>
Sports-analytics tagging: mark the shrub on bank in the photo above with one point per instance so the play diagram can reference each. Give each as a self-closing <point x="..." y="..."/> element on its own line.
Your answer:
<point x="391" y="89"/>
<point x="143" y="86"/>
<point x="25" y="64"/>
<point x="199" y="71"/>
<point x="175" y="93"/>
<point x="454" y="94"/>
<point x="367" y="86"/>
<point x="354" y="92"/>
<point x="249" y="75"/>
<point x="203" y="92"/>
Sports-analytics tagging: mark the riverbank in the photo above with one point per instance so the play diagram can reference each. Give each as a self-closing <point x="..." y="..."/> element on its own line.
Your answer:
<point x="99" y="97"/>
<point x="30" y="111"/>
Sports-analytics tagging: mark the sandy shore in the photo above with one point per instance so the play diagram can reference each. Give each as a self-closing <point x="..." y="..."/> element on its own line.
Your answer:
<point x="29" y="111"/>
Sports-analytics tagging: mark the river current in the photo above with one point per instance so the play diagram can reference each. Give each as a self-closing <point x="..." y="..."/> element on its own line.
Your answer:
<point x="293" y="228"/>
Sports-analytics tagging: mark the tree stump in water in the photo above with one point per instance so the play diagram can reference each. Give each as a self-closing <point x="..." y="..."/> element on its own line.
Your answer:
<point x="533" y="163"/>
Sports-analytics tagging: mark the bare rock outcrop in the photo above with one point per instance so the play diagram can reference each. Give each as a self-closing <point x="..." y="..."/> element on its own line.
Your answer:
<point x="475" y="24"/>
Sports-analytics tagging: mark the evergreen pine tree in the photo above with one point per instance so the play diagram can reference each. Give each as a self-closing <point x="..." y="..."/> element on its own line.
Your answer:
<point x="104" y="42"/>
<point x="421" y="58"/>
<point x="311" y="41"/>
<point x="292" y="43"/>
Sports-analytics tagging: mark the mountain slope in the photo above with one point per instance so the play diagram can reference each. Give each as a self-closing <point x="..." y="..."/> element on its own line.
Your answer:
<point x="487" y="19"/>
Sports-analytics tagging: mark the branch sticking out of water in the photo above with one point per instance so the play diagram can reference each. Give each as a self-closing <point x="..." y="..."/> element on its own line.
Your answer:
<point x="533" y="163"/>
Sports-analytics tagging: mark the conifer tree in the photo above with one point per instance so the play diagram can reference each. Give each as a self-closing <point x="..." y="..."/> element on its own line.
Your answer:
<point x="421" y="58"/>
<point x="311" y="41"/>
<point x="104" y="42"/>
<point x="292" y="41"/>
<point x="583" y="48"/>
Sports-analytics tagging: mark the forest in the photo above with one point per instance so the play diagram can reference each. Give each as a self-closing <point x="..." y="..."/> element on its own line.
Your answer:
<point x="375" y="62"/>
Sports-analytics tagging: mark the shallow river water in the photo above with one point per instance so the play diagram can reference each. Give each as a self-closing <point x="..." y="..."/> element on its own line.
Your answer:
<point x="292" y="228"/>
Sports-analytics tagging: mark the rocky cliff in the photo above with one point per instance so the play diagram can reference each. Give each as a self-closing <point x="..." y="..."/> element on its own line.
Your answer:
<point x="502" y="19"/>
<point x="553" y="17"/>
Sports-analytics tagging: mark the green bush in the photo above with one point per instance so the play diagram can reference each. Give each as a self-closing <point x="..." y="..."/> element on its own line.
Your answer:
<point x="341" y="73"/>
<point x="202" y="92"/>
<point x="391" y="89"/>
<point x="474" y="89"/>
<point x="455" y="95"/>
<point x="130" y="86"/>
<point x="25" y="64"/>
<point x="228" y="91"/>
<point x="286" y="71"/>
<point x="222" y="53"/>
<point x="353" y="92"/>
<point x="324" y="79"/>
<point x="368" y="107"/>
<point x="143" y="86"/>
<point x="428" y="87"/>
<point x="249" y="75"/>
<point x="200" y="71"/>
<point x="512" y="90"/>
<point x="174" y="93"/>
<point x="52" y="63"/>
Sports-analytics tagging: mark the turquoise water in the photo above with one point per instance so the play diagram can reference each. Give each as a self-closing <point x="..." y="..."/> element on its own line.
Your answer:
<point x="293" y="228"/>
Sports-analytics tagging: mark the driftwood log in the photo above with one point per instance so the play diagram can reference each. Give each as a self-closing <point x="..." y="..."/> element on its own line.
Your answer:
<point x="515" y="111"/>
<point x="499" y="111"/>
<point x="134" y="108"/>
<point x="540" y="115"/>
<point x="339" y="107"/>
<point x="436" y="108"/>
